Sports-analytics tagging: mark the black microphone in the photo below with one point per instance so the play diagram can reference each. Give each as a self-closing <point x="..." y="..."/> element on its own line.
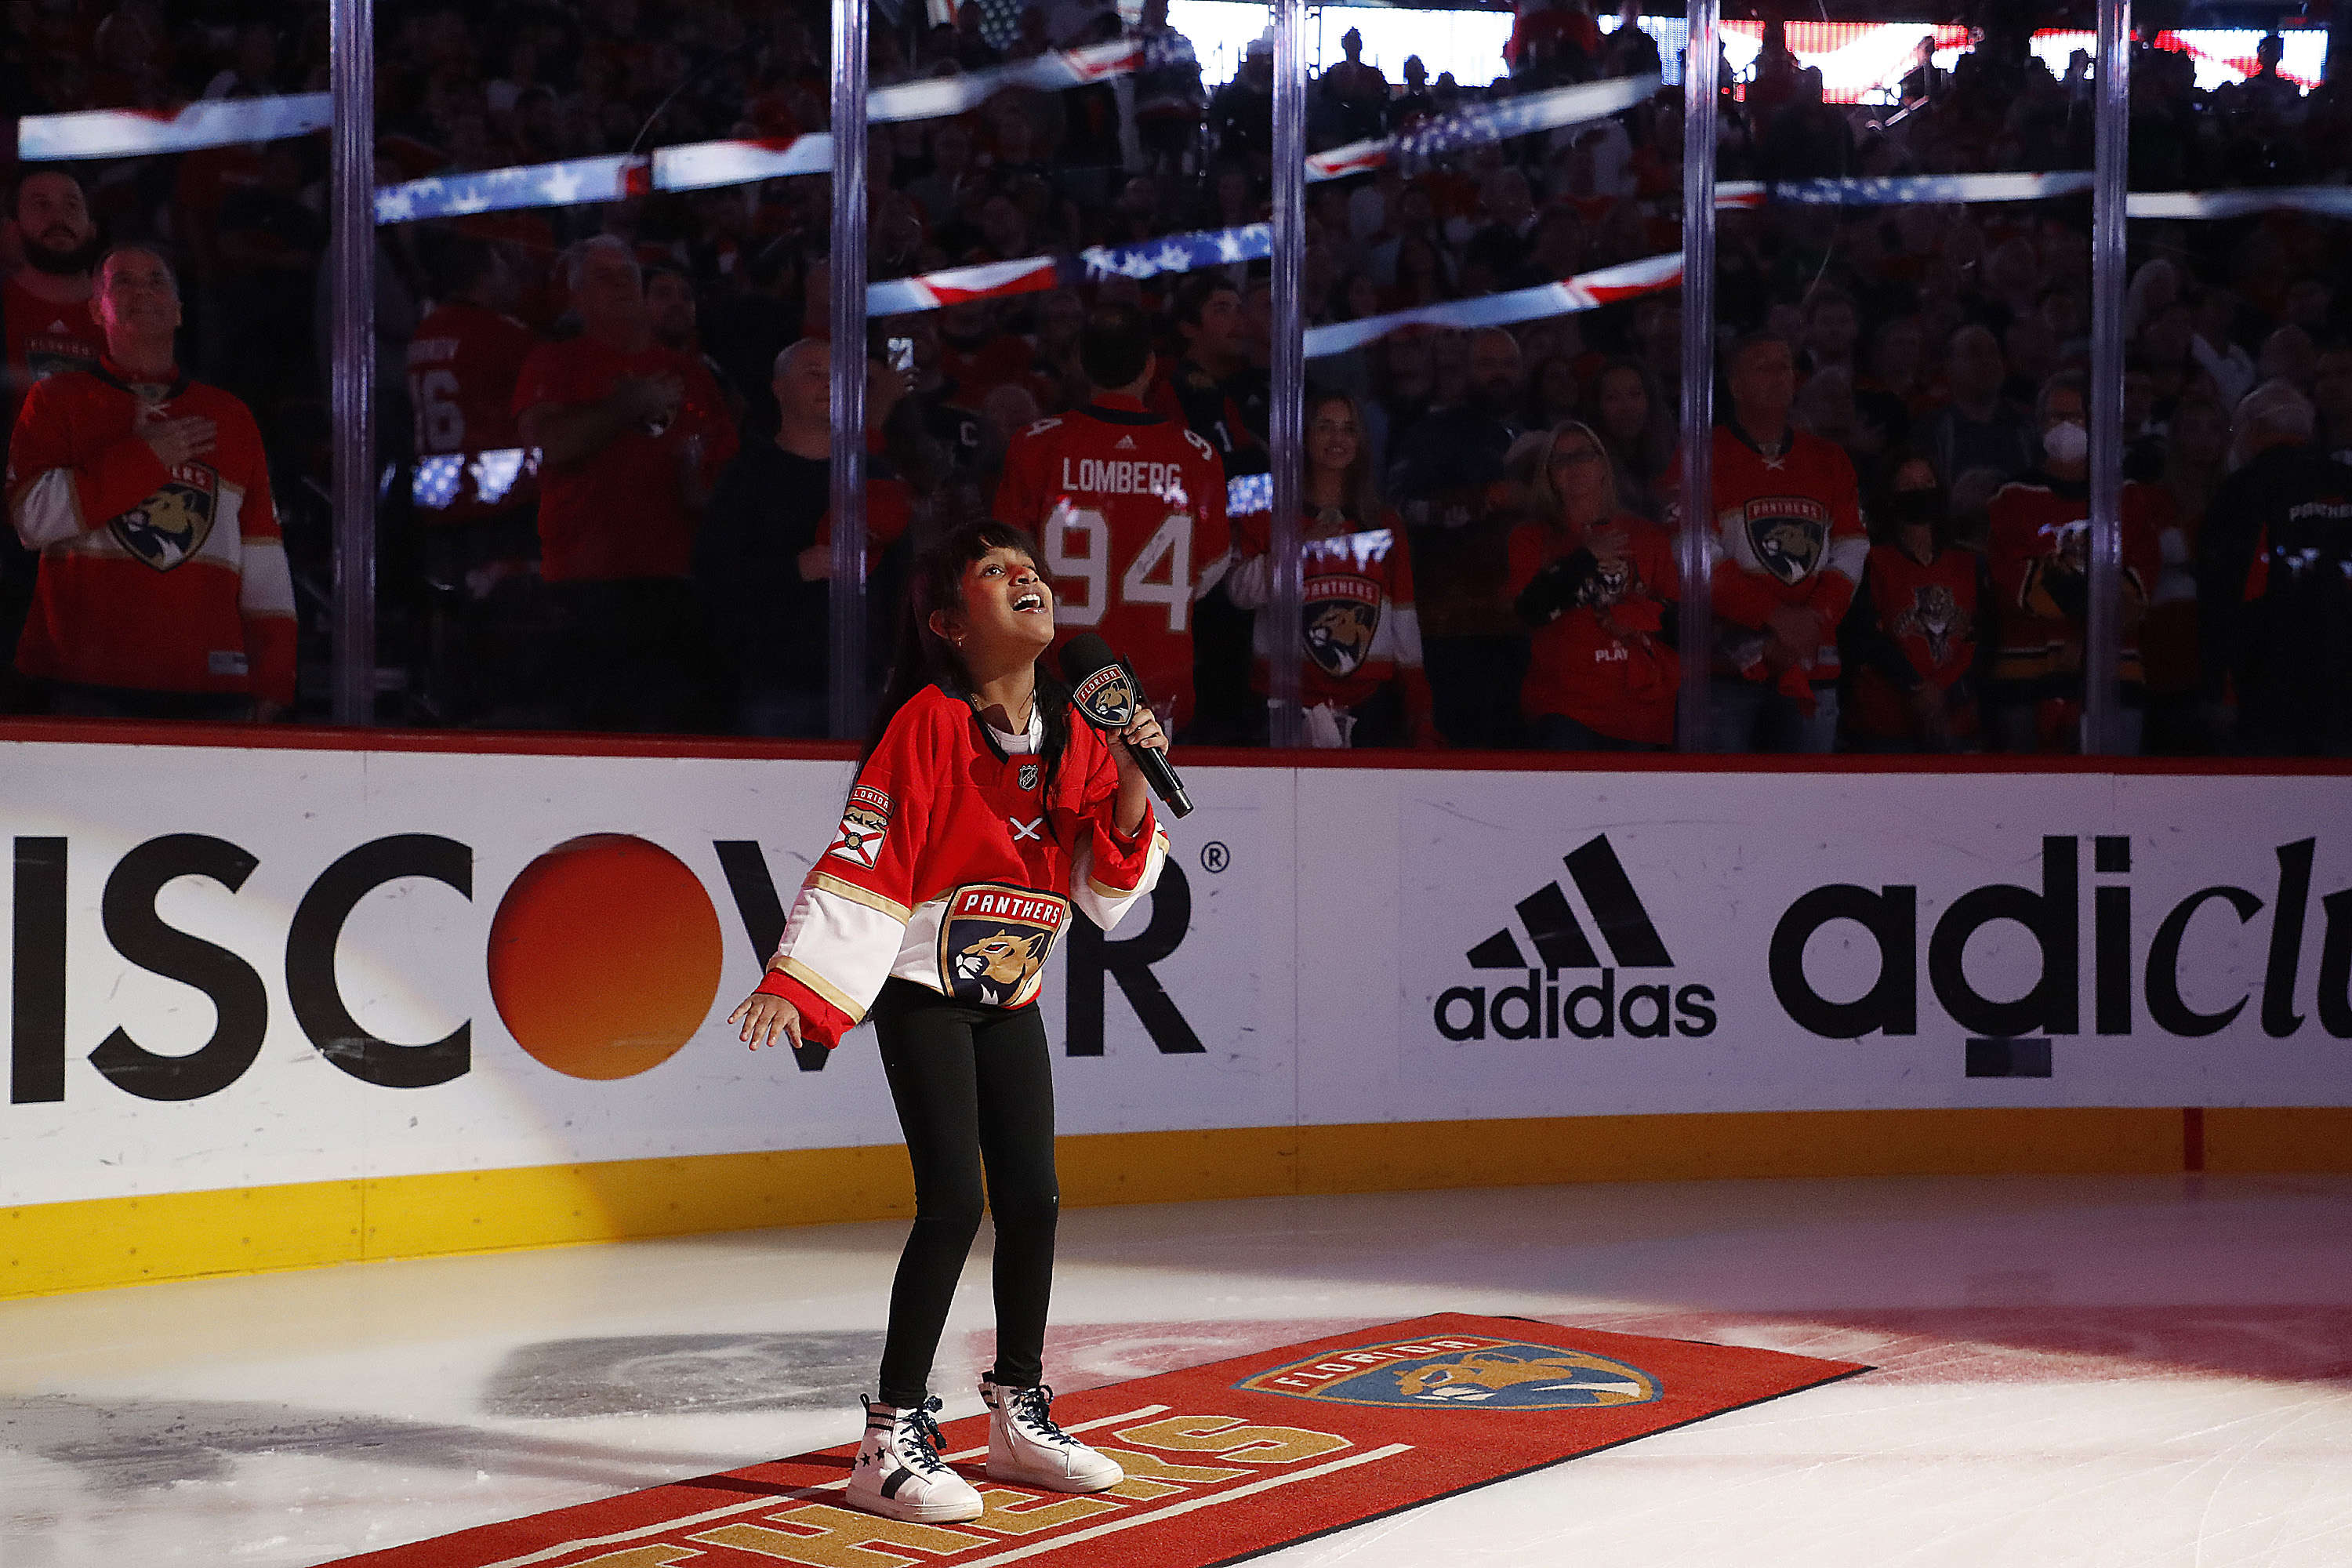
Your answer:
<point x="1107" y="695"/>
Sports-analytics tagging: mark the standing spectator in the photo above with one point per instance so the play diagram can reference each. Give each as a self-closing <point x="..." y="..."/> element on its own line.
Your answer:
<point x="631" y="433"/>
<point x="1169" y="99"/>
<point x="1130" y="508"/>
<point x="764" y="556"/>
<point x="2246" y="632"/>
<point x="1351" y="98"/>
<point x="671" y="311"/>
<point x="1788" y="548"/>
<point x="49" y="328"/>
<point x="2291" y="653"/>
<point x="1599" y="586"/>
<point x="1637" y="429"/>
<point x="476" y="488"/>
<point x="1445" y="475"/>
<point x="2040" y="561"/>
<point x="2332" y="391"/>
<point x="1978" y="429"/>
<point x="2194" y="456"/>
<point x="163" y="591"/>
<point x="1916" y="633"/>
<point x="1361" y="679"/>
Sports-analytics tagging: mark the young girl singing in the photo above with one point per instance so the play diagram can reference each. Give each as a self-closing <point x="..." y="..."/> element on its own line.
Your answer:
<point x="981" y="815"/>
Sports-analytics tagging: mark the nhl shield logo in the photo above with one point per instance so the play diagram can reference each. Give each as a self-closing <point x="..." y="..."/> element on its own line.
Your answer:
<point x="1790" y="536"/>
<point x="1107" y="697"/>
<point x="1466" y="1371"/>
<point x="1340" y="618"/>
<point x="170" y="526"/>
<point x="865" y="823"/>
<point x="994" y="941"/>
<point x="1029" y="774"/>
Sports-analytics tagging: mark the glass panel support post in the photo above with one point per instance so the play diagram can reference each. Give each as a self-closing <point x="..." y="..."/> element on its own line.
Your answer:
<point x="2102" y="629"/>
<point x="1284" y="414"/>
<point x="1692" y="557"/>
<point x="351" y="391"/>
<point x="846" y="310"/>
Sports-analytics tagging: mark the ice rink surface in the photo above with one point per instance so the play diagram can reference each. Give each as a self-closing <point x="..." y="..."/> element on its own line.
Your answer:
<point x="2093" y="1372"/>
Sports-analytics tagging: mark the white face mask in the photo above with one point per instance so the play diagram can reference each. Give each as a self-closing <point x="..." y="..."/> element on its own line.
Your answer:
<point x="2066" y="443"/>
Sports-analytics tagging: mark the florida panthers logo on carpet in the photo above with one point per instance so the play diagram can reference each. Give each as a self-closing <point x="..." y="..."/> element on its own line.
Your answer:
<point x="1462" y="1371"/>
<point x="172" y="524"/>
<point x="994" y="941"/>
<point x="1342" y="614"/>
<point x="865" y="823"/>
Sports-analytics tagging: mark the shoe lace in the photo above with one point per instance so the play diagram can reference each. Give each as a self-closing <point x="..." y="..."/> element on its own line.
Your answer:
<point x="1036" y="1408"/>
<point x="923" y="1453"/>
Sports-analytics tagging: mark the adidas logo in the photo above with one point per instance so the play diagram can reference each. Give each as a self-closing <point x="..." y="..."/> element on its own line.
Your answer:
<point x="1538" y="1009"/>
<point x="1126" y="444"/>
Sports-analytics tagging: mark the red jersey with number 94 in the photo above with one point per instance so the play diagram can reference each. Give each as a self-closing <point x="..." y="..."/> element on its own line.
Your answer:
<point x="1130" y="511"/>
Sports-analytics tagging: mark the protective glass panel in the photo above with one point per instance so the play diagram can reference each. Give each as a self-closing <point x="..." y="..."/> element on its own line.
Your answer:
<point x="599" y="225"/>
<point x="203" y="143"/>
<point x="2237" y="407"/>
<point x="1902" y="295"/>
<point x="1492" y="243"/>
<point x="1071" y="321"/>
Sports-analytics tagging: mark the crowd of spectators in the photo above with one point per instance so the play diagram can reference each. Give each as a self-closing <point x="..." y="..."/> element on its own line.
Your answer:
<point x="606" y="435"/>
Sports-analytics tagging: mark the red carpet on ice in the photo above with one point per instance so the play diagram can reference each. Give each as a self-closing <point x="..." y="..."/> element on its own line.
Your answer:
<point x="1223" y="1462"/>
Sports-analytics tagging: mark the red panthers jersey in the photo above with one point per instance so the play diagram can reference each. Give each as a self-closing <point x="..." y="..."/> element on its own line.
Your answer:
<point x="1787" y="531"/>
<point x="1930" y="614"/>
<point x="958" y="866"/>
<point x="152" y="578"/>
<point x="1130" y="508"/>
<point x="462" y="365"/>
<point x="2041" y="560"/>
<point x="1359" y="627"/>
<point x="44" y="337"/>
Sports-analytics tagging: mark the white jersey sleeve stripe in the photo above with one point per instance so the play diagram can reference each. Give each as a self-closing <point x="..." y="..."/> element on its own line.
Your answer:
<point x="48" y="511"/>
<point x="265" y="585"/>
<point x="840" y="947"/>
<point x="1106" y="905"/>
<point x="867" y="896"/>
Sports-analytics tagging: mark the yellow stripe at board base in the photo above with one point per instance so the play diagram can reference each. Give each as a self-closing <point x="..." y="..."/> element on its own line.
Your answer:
<point x="47" y="1248"/>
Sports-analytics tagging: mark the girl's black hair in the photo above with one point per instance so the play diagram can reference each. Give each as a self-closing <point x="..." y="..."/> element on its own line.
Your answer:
<point x="923" y="658"/>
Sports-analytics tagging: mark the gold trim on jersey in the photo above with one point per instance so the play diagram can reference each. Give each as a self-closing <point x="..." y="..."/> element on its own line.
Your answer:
<point x="833" y="994"/>
<point x="825" y="882"/>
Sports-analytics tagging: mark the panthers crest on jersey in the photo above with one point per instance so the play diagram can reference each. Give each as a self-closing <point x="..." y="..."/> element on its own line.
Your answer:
<point x="994" y="941"/>
<point x="172" y="524"/>
<point x="1341" y="616"/>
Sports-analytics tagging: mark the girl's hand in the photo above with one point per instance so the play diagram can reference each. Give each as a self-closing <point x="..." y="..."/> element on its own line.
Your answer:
<point x="1143" y="730"/>
<point x="763" y="1017"/>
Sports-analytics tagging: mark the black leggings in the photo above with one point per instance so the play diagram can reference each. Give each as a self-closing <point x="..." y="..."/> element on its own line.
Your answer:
<point x="971" y="1083"/>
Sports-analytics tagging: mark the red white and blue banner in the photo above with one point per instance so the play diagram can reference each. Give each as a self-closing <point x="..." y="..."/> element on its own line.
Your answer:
<point x="1586" y="291"/>
<point x="1488" y="121"/>
<point x="137" y="132"/>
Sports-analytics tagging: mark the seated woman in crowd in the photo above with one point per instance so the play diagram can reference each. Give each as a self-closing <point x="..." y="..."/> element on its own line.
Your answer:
<point x="1918" y="627"/>
<point x="1598" y="584"/>
<point x="1361" y="682"/>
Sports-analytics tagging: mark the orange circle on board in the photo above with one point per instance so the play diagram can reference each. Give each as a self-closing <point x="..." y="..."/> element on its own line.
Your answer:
<point x="604" y="956"/>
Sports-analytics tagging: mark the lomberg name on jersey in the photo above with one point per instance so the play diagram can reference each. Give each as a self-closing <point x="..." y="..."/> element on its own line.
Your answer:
<point x="1124" y="477"/>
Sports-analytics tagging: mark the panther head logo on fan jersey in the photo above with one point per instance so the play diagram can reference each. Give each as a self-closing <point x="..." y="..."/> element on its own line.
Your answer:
<point x="1790" y="536"/>
<point x="1341" y="616"/>
<point x="994" y="941"/>
<point x="1933" y="614"/>
<point x="171" y="525"/>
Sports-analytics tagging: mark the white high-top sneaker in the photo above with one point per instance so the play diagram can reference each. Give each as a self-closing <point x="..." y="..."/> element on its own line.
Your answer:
<point x="899" y="1474"/>
<point x="1027" y="1447"/>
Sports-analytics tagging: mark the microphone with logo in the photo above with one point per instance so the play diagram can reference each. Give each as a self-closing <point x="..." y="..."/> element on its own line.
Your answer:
<point x="1107" y="694"/>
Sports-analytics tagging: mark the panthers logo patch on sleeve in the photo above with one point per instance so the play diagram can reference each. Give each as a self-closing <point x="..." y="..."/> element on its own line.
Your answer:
<point x="863" y="824"/>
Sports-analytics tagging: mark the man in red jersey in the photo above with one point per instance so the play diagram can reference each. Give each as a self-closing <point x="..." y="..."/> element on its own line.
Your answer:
<point x="1130" y="511"/>
<point x="1788" y="548"/>
<point x="48" y="329"/>
<point x="475" y="486"/>
<point x="2040" y="556"/>
<point x="632" y="434"/>
<point x="163" y="592"/>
